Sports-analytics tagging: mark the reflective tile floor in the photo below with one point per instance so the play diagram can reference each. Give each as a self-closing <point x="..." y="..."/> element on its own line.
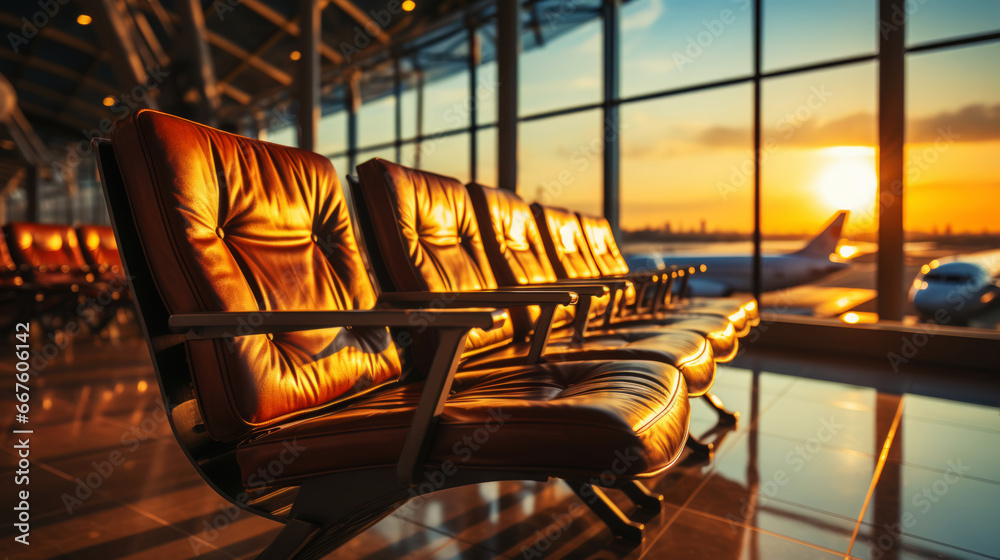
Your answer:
<point x="830" y="459"/>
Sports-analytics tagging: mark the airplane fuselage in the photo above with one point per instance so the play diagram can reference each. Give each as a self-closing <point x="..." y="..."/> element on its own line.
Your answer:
<point x="777" y="271"/>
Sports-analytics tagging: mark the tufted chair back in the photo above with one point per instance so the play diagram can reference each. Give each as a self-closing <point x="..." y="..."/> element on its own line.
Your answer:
<point x="514" y="244"/>
<point x="232" y="224"/>
<point x="52" y="249"/>
<point x="101" y="250"/>
<point x="602" y="244"/>
<point x="565" y="243"/>
<point x="426" y="232"/>
<point x="510" y="235"/>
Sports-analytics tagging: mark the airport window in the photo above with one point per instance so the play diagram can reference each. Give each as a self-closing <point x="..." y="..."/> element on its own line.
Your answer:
<point x="446" y="88"/>
<point x="678" y="44"/>
<point x="486" y="156"/>
<point x="287" y="135"/>
<point x="806" y="32"/>
<point x="333" y="133"/>
<point x="408" y="100"/>
<point x="687" y="177"/>
<point x="559" y="161"/>
<point x="377" y="115"/>
<point x="447" y="155"/>
<point x="560" y="65"/>
<point x="934" y="20"/>
<point x="952" y="136"/>
<point x="486" y="75"/>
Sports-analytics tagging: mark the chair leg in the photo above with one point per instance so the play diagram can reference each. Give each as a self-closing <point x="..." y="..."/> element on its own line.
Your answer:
<point x="699" y="450"/>
<point x="292" y="539"/>
<point x="621" y="527"/>
<point x="642" y="497"/>
<point x="726" y="418"/>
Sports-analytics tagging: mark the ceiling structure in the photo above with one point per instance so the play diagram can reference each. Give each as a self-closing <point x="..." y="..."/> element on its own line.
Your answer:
<point x="76" y="66"/>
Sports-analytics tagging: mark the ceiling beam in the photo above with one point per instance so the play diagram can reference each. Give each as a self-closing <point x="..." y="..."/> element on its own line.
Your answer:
<point x="260" y="64"/>
<point x="367" y="23"/>
<point x="125" y="58"/>
<point x="68" y="121"/>
<point x="291" y="26"/>
<point x="61" y="71"/>
<point x="68" y="100"/>
<point x="240" y="96"/>
<point x="203" y="68"/>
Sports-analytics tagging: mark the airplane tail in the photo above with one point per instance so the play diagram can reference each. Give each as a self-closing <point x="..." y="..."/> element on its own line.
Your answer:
<point x="826" y="242"/>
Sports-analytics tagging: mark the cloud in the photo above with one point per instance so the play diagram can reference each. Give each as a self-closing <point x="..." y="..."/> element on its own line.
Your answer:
<point x="972" y="123"/>
<point x="643" y="19"/>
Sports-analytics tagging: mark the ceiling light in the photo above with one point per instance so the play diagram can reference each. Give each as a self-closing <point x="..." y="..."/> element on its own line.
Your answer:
<point x="84" y="19"/>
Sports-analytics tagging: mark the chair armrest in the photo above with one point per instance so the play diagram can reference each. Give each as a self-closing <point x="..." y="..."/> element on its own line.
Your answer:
<point x="546" y="299"/>
<point x="583" y="287"/>
<point x="501" y="297"/>
<point x="224" y="324"/>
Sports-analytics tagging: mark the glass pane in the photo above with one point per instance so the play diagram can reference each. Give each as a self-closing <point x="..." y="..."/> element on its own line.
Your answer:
<point x="486" y="158"/>
<point x="687" y="180"/>
<point x="486" y="76"/>
<point x="799" y="32"/>
<point x="685" y="43"/>
<point x="952" y="183"/>
<point x="931" y="20"/>
<point x="564" y="70"/>
<point x="446" y="103"/>
<point x="333" y="133"/>
<point x="377" y="120"/>
<point x="388" y="153"/>
<point x="559" y="161"/>
<point x="287" y="136"/>
<point x="447" y="155"/>
<point x="340" y="164"/>
<point x="409" y="83"/>
<point x="818" y="159"/>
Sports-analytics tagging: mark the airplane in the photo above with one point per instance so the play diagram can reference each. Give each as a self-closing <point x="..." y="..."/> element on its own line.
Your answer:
<point x="733" y="273"/>
<point x="955" y="289"/>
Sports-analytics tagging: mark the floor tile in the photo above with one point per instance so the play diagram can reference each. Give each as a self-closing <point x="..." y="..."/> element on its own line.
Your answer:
<point x="955" y="511"/>
<point x="697" y="536"/>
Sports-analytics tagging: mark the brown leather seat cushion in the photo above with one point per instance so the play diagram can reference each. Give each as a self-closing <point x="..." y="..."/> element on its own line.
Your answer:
<point x="687" y="351"/>
<point x="718" y="330"/>
<point x="732" y="308"/>
<point x="568" y="420"/>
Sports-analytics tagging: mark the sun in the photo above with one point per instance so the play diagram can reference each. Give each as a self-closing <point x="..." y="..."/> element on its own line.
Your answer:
<point x="847" y="181"/>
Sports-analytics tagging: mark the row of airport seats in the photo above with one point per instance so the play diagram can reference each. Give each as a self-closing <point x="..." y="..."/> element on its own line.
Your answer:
<point x="322" y="378"/>
<point x="55" y="273"/>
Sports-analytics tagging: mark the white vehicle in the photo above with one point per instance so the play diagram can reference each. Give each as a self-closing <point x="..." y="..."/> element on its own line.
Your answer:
<point x="956" y="289"/>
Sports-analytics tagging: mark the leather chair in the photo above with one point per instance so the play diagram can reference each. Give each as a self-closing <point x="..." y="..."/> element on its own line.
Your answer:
<point x="514" y="244"/>
<point x="424" y="227"/>
<point x="743" y="311"/>
<point x="557" y="223"/>
<point x="283" y="383"/>
<point x="101" y="252"/>
<point x="49" y="254"/>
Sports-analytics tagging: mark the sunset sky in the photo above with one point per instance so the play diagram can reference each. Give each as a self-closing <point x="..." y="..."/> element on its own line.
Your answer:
<point x="687" y="158"/>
